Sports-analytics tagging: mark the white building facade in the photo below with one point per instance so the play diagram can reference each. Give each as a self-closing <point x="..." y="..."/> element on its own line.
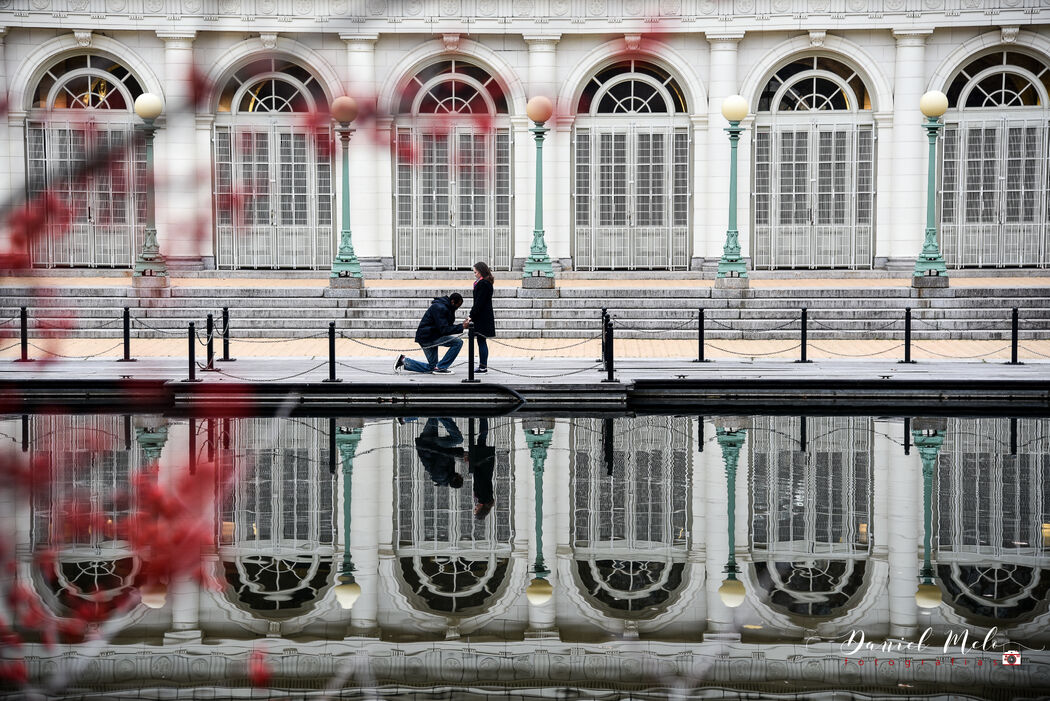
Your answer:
<point x="833" y="162"/>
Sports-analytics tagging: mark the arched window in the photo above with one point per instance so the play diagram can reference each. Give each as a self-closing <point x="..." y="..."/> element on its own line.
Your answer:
<point x="994" y="163"/>
<point x="811" y="511"/>
<point x="82" y="113"/>
<point x="273" y="169"/>
<point x="631" y="175"/>
<point x="813" y="185"/>
<point x="276" y="530"/>
<point x="450" y="561"/>
<point x="453" y="180"/>
<point x="990" y="516"/>
<point x="631" y="512"/>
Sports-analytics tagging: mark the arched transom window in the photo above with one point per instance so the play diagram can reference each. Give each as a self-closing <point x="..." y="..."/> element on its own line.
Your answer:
<point x="81" y="111"/>
<point x="813" y="183"/>
<point x="273" y="169"/>
<point x="631" y="172"/>
<point x="453" y="180"/>
<point x="994" y="163"/>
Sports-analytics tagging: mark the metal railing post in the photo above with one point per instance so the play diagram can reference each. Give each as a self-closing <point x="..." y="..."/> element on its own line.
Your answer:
<point x="192" y="338"/>
<point x="331" y="353"/>
<point x="610" y="352"/>
<point x="127" y="338"/>
<point x="605" y="323"/>
<point x="24" y="336"/>
<point x="907" y="336"/>
<point x="226" y="336"/>
<point x="802" y="358"/>
<point x="211" y="342"/>
<point x="1014" y="332"/>
<point x="700" y="336"/>
<point x="470" y="355"/>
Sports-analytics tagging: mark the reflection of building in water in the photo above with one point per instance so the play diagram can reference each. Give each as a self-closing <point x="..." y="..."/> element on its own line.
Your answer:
<point x="277" y="519"/>
<point x="811" y="512"/>
<point x="630" y="515"/>
<point x="993" y="520"/>
<point x="450" y="562"/>
<point x="831" y="543"/>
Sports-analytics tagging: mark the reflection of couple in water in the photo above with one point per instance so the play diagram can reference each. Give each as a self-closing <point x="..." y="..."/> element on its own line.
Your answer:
<point x="439" y="455"/>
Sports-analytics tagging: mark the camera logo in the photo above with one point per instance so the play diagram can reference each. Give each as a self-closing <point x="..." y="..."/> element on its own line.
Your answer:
<point x="1011" y="657"/>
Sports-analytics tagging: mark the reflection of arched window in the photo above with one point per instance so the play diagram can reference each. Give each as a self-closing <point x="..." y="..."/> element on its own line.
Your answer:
<point x="82" y="511"/>
<point x="994" y="163"/>
<point x="814" y="160"/>
<point x="631" y="173"/>
<point x="277" y="521"/>
<point x="82" y="112"/>
<point x="453" y="182"/>
<point x="630" y="525"/>
<point x="273" y="169"/>
<point x="991" y="512"/>
<point x="451" y="562"/>
<point x="811" y="511"/>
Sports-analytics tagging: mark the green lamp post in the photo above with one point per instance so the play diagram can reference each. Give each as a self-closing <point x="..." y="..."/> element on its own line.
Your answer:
<point x="346" y="269"/>
<point x="732" y="270"/>
<point x="732" y="592"/>
<point x="538" y="440"/>
<point x="151" y="270"/>
<point x="538" y="272"/>
<point x="930" y="270"/>
<point x="928" y="437"/>
<point x="348" y="591"/>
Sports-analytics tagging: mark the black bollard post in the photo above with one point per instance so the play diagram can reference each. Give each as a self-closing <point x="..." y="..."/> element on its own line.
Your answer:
<point x="802" y="358"/>
<point x="225" y="434"/>
<point x="802" y="434"/>
<point x="193" y="446"/>
<point x="608" y="454"/>
<point x="1013" y="436"/>
<point x="332" y="448"/>
<point x="24" y="337"/>
<point x="25" y="433"/>
<point x="193" y="353"/>
<point x="127" y="431"/>
<point x="700" y="336"/>
<point x="226" y="336"/>
<point x="605" y="323"/>
<point x="211" y="440"/>
<point x="699" y="434"/>
<point x="907" y="436"/>
<point x="1013" y="337"/>
<point x="610" y="353"/>
<point x="470" y="355"/>
<point x="210" y="327"/>
<point x="331" y="353"/>
<point x="907" y="336"/>
<point x="127" y="338"/>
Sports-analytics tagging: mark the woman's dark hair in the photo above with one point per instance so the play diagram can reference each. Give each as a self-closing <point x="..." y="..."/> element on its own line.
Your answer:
<point x="483" y="268"/>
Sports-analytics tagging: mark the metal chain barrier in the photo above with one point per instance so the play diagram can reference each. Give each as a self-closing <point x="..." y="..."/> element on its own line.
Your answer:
<point x="544" y="350"/>
<point x="393" y="350"/>
<point x="266" y="379"/>
<point x="369" y="372"/>
<point x="620" y="325"/>
<point x="1030" y="350"/>
<point x="960" y="357"/>
<point x="13" y="345"/>
<point x="755" y="355"/>
<point x="73" y="357"/>
<point x="775" y="328"/>
<point x="855" y="355"/>
<point x="139" y="321"/>
<point x="596" y="366"/>
<point x="5" y="321"/>
<point x="280" y="340"/>
<point x="829" y="328"/>
<point x="41" y="324"/>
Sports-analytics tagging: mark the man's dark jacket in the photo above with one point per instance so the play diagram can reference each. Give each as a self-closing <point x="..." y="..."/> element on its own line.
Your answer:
<point x="437" y="322"/>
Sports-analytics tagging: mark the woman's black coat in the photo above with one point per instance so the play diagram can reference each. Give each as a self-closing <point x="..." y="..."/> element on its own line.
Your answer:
<point x="481" y="312"/>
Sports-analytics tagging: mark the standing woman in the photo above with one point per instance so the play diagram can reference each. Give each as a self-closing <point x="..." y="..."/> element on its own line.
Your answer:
<point x="481" y="317"/>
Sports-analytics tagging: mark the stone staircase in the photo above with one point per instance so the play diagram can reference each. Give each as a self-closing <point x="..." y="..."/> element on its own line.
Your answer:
<point x="570" y="312"/>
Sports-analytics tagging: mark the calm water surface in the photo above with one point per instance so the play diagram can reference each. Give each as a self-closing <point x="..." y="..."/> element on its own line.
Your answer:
<point x="637" y="557"/>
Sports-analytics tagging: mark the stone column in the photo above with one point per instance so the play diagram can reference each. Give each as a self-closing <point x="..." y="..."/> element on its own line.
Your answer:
<point x="543" y="80"/>
<point x="370" y="196"/>
<point x="203" y="125"/>
<point x="902" y="537"/>
<point x="884" y="133"/>
<point x="697" y="557"/>
<point x="910" y="149"/>
<point x="523" y="147"/>
<point x="543" y="55"/>
<point x="7" y="182"/>
<point x="182" y="222"/>
<point x="698" y="124"/>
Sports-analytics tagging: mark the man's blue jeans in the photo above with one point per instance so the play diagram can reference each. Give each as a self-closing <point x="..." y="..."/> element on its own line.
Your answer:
<point x="430" y="350"/>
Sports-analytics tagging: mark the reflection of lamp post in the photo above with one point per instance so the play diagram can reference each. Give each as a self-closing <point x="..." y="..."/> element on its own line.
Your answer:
<point x="928" y="436"/>
<point x="151" y="270"/>
<point x="732" y="591"/>
<point x="538" y="272"/>
<point x="152" y="439"/>
<point x="348" y="591"/>
<point x="346" y="269"/>
<point x="538" y="439"/>
<point x="732" y="271"/>
<point x="930" y="270"/>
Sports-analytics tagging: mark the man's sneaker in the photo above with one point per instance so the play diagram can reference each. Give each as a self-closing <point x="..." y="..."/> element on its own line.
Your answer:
<point x="399" y="364"/>
<point x="439" y="371"/>
<point x="480" y="370"/>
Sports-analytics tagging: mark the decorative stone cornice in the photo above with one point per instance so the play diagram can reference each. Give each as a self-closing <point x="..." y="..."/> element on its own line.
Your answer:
<point x="542" y="42"/>
<point x="724" y="38"/>
<point x="360" y="42"/>
<point x="912" y="37"/>
<point x="178" y="39"/>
